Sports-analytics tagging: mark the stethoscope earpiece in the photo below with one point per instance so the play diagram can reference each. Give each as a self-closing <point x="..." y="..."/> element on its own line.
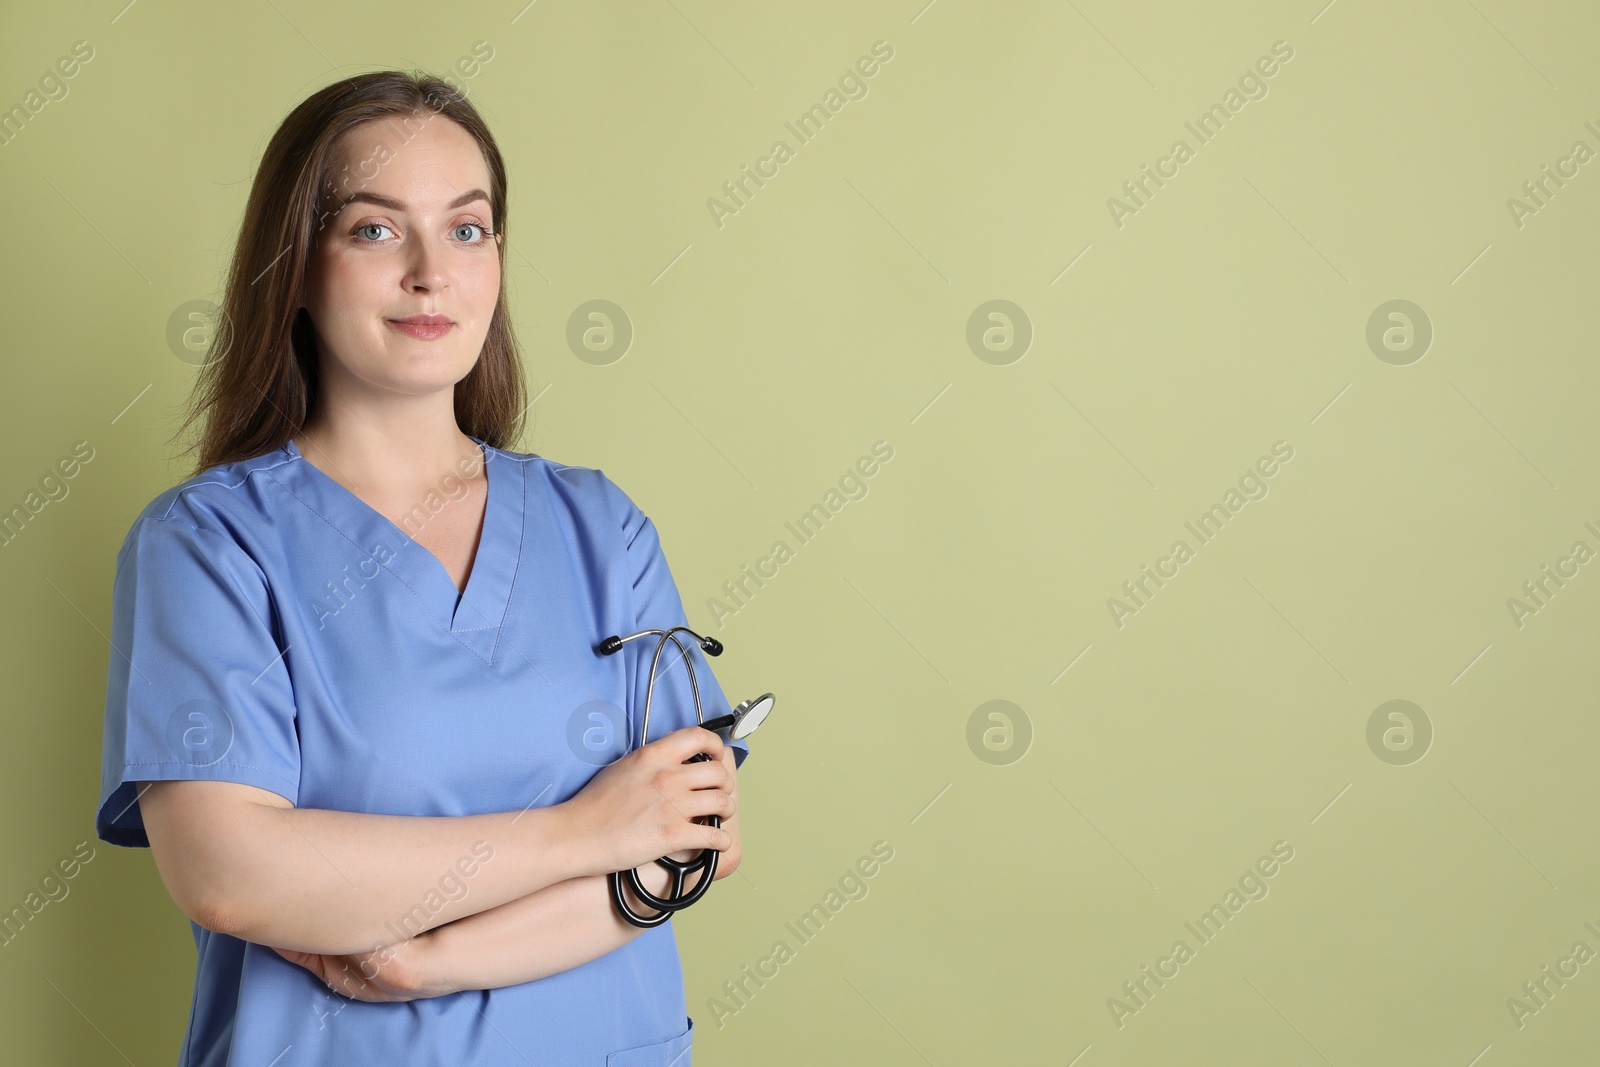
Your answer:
<point x="740" y="723"/>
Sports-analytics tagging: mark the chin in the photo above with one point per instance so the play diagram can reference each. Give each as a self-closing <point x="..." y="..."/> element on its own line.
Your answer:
<point x="427" y="385"/>
<point x="419" y="381"/>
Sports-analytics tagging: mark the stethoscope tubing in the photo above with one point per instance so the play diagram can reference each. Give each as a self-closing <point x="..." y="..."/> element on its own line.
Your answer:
<point x="706" y="860"/>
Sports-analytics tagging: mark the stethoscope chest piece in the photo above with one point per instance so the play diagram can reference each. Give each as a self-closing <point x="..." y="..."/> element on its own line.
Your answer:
<point x="744" y="718"/>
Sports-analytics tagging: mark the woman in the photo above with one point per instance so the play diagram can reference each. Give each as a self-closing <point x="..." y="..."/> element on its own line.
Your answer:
<point x="355" y="707"/>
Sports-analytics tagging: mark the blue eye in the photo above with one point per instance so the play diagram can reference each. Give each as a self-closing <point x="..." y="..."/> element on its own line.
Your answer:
<point x="484" y="232"/>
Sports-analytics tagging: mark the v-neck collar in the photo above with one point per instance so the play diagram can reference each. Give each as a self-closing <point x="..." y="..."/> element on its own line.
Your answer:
<point x="473" y="616"/>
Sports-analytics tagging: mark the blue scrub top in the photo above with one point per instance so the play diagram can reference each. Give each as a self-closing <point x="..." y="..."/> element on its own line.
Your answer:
<point x="271" y="628"/>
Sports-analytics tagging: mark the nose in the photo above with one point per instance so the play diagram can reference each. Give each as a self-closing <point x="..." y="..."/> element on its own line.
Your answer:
<point x="425" y="268"/>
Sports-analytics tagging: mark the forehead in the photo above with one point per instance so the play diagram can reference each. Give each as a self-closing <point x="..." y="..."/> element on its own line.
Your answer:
<point x="424" y="160"/>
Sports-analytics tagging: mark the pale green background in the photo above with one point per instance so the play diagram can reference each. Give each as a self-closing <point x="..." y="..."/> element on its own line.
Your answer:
<point x="1227" y="314"/>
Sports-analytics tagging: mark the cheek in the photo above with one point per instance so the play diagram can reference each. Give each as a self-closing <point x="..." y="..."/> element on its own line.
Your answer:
<point x="352" y="279"/>
<point x="328" y="286"/>
<point x="483" y="282"/>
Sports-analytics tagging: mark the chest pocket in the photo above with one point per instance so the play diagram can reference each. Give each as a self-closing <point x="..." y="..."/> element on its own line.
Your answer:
<point x="673" y="1052"/>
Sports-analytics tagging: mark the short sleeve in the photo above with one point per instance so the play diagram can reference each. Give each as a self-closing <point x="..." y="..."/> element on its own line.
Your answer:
<point x="197" y="687"/>
<point x="658" y="605"/>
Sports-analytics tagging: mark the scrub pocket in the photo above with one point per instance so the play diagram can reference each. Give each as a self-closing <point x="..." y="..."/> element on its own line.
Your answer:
<point x="673" y="1052"/>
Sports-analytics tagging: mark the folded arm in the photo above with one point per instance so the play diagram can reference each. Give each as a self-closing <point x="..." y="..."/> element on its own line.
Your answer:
<point x="546" y="932"/>
<point x="244" y="861"/>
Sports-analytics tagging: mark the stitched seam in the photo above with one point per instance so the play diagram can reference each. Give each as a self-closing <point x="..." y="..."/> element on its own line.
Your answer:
<point x="272" y="600"/>
<point x="521" y="535"/>
<point x="629" y="591"/>
<point x="329" y="521"/>
<point x="511" y="590"/>
<point x="218" y="482"/>
<point x="188" y="1038"/>
<point x="219" y="763"/>
<point x="393" y="574"/>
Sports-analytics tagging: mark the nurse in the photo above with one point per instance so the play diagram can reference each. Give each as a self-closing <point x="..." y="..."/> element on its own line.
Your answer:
<point x="354" y="706"/>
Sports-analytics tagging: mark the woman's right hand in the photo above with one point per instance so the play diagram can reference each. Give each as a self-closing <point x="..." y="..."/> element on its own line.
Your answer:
<point x="643" y="806"/>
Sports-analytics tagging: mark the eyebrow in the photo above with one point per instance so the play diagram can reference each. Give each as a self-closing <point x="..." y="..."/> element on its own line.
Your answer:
<point x="395" y="205"/>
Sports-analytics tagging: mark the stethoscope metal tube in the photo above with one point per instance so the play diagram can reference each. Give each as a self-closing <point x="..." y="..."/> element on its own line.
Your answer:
<point x="706" y="860"/>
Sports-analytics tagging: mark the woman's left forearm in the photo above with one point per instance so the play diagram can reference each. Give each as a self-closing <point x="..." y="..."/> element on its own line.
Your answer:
<point x="543" y="933"/>
<point x="553" y="930"/>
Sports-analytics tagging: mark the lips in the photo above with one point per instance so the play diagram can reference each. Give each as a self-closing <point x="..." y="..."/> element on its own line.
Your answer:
<point x="423" y="327"/>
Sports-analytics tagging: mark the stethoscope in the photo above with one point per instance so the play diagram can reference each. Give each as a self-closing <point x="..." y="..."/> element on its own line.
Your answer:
<point x="741" y="723"/>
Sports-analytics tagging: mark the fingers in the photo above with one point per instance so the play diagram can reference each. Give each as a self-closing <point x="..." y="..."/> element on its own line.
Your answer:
<point x="653" y="799"/>
<point x="351" y="986"/>
<point x="691" y="739"/>
<point x="676" y="778"/>
<point x="708" y="775"/>
<point x="698" y="803"/>
<point x="692" y="804"/>
<point x="699" y="836"/>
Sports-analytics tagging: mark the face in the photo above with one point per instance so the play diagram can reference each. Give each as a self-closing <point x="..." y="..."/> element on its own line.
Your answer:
<point x="411" y="239"/>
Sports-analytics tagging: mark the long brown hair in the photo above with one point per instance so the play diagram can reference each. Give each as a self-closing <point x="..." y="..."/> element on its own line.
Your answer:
<point x="259" y="382"/>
